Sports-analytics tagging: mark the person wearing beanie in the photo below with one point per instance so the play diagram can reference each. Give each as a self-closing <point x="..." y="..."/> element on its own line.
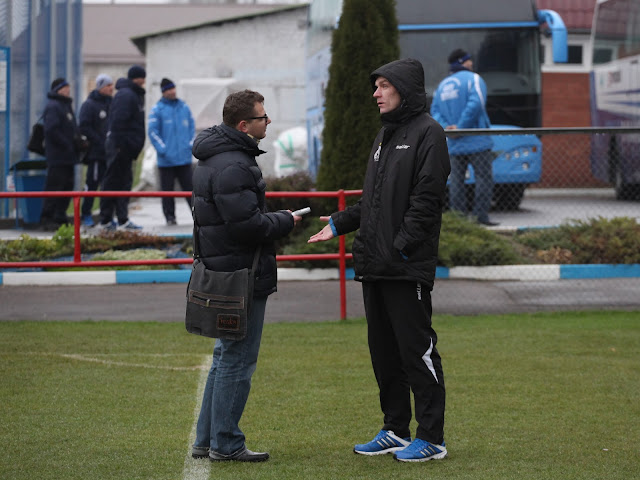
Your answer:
<point x="93" y="122"/>
<point x="135" y="72"/>
<point x="124" y="142"/>
<point x="460" y="102"/>
<point x="60" y="132"/>
<point x="171" y="131"/>
<point x="395" y="254"/>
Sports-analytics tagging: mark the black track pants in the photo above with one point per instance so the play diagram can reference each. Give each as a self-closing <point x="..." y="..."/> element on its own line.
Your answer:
<point x="403" y="351"/>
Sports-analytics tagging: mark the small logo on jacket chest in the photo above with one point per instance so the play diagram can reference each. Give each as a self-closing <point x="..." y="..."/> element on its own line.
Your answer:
<point x="402" y="147"/>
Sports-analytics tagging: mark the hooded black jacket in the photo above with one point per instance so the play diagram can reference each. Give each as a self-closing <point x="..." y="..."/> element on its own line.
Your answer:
<point x="93" y="120"/>
<point x="229" y="212"/>
<point x="126" y="118"/>
<point x="60" y="130"/>
<point x="400" y="212"/>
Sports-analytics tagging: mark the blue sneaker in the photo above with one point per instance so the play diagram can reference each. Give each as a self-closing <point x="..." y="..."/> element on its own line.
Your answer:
<point x="108" y="227"/>
<point x="130" y="226"/>
<point x="87" y="221"/>
<point x="421" y="451"/>
<point x="384" y="442"/>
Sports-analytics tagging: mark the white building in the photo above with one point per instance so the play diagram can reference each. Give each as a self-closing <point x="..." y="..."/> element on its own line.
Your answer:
<point x="262" y="51"/>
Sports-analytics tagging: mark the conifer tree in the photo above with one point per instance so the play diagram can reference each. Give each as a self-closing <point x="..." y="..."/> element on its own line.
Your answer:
<point x="366" y="38"/>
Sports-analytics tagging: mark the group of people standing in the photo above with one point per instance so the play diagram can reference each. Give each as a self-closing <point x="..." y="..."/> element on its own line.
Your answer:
<point x="395" y="251"/>
<point x="108" y="137"/>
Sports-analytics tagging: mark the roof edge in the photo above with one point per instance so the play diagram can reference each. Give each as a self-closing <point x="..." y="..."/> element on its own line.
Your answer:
<point x="140" y="41"/>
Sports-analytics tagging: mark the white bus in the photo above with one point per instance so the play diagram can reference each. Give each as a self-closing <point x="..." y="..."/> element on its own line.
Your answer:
<point x="615" y="94"/>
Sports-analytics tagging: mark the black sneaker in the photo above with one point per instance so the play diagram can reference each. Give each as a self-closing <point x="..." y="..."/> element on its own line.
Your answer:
<point x="242" y="455"/>
<point x="200" y="452"/>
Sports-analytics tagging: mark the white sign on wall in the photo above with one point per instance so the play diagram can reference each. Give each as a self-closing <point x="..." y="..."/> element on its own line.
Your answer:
<point x="4" y="81"/>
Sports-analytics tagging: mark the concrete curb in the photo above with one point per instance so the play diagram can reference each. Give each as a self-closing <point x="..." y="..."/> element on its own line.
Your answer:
<point x="524" y="273"/>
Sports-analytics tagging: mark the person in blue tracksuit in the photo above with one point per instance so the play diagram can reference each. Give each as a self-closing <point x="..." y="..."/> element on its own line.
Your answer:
<point x="60" y="132"/>
<point x="171" y="131"/>
<point x="93" y="120"/>
<point x="460" y="102"/>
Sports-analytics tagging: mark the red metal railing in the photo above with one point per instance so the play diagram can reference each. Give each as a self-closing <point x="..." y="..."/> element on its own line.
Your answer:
<point x="341" y="256"/>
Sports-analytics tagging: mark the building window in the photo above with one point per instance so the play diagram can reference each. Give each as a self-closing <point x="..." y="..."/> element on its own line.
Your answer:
<point x="575" y="54"/>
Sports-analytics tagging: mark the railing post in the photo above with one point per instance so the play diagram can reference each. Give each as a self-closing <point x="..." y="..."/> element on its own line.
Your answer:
<point x="342" y="204"/>
<point x="77" y="256"/>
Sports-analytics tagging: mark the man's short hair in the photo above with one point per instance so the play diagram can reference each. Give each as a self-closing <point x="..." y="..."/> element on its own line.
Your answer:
<point x="240" y="106"/>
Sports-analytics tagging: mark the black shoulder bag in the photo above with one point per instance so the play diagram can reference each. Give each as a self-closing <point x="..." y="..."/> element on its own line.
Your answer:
<point x="36" y="140"/>
<point x="218" y="302"/>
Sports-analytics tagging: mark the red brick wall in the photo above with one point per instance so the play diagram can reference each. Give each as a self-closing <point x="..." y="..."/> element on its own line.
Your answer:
<point x="565" y="103"/>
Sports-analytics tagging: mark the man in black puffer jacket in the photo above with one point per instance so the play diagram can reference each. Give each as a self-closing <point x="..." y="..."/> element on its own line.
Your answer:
<point x="230" y="222"/>
<point x="94" y="117"/>
<point x="60" y="130"/>
<point x="123" y="144"/>
<point x="395" y="254"/>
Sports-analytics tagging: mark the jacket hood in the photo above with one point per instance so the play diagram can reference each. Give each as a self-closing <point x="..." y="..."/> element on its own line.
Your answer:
<point x="222" y="138"/>
<point x="407" y="76"/>
<point x="127" y="83"/>
<point x="58" y="97"/>
<point x="98" y="97"/>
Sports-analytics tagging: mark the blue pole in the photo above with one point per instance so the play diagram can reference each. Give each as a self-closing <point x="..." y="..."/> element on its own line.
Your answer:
<point x="7" y="124"/>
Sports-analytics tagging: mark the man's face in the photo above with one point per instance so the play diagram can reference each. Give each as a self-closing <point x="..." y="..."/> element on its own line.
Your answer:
<point x="107" y="90"/>
<point x="468" y="64"/>
<point x="386" y="95"/>
<point x="257" y="127"/>
<point x="139" y="81"/>
<point x="170" y="94"/>
<point x="65" y="91"/>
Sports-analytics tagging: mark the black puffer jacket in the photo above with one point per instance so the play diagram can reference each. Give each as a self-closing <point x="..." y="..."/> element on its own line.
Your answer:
<point x="229" y="207"/>
<point x="93" y="121"/>
<point x="400" y="212"/>
<point x="126" y="118"/>
<point x="59" y="130"/>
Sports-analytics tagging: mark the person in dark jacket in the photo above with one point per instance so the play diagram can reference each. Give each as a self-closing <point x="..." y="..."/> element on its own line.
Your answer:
<point x="93" y="119"/>
<point x="171" y="131"/>
<point x="395" y="253"/>
<point x="124" y="142"/>
<point x="230" y="223"/>
<point x="60" y="130"/>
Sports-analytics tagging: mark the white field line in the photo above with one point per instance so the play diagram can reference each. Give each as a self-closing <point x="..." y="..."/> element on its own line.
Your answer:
<point x="103" y="361"/>
<point x="197" y="469"/>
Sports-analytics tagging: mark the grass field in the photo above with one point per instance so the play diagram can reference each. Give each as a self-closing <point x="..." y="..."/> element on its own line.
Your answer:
<point x="545" y="396"/>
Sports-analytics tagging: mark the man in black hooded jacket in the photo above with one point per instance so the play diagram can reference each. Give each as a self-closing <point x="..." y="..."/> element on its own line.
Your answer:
<point x="395" y="254"/>
<point x="124" y="142"/>
<point x="230" y="223"/>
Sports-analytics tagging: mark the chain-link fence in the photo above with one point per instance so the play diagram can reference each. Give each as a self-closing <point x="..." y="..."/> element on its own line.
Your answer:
<point x="563" y="199"/>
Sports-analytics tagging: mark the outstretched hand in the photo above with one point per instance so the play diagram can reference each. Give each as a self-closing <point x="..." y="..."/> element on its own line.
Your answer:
<point x="323" y="235"/>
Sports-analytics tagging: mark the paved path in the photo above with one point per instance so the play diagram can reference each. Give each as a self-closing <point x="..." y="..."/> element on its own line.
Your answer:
<point x="314" y="300"/>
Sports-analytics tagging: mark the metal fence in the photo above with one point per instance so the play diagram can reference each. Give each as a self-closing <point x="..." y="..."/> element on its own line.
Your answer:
<point x="583" y="174"/>
<point x="40" y="40"/>
<point x="547" y="176"/>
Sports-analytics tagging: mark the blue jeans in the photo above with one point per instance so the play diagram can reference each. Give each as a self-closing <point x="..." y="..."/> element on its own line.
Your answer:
<point x="482" y="163"/>
<point x="228" y="385"/>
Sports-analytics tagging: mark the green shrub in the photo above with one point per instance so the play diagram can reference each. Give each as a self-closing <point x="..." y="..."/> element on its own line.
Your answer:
<point x="366" y="38"/>
<point x="465" y="243"/>
<point x="594" y="241"/>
